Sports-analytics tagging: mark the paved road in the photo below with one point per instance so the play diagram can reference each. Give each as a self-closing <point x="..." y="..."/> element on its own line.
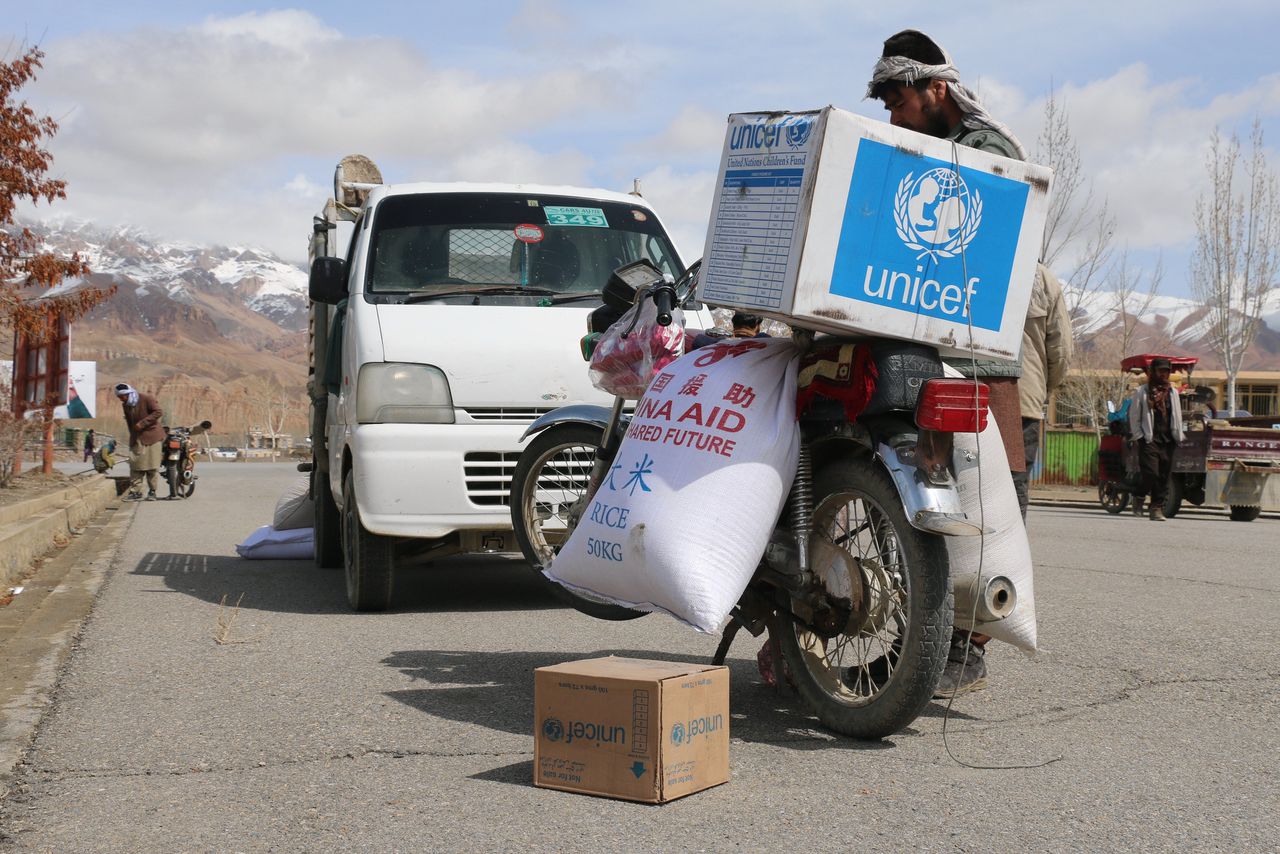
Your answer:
<point x="323" y="730"/>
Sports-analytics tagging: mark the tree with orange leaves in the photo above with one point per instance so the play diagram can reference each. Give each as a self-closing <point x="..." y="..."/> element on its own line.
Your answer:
<point x="24" y="269"/>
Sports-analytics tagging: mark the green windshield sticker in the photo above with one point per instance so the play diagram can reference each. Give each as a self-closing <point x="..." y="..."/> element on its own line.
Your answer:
<point x="593" y="217"/>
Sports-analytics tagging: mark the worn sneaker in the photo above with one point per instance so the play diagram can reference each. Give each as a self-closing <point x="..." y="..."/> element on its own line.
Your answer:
<point x="963" y="673"/>
<point x="151" y="496"/>
<point x="133" y="496"/>
<point x="1137" y="506"/>
<point x="1157" y="513"/>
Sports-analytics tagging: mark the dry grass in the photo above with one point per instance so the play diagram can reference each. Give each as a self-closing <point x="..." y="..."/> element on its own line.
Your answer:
<point x="224" y="633"/>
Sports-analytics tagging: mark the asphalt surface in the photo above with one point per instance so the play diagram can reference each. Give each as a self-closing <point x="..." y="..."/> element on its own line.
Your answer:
<point x="316" y="729"/>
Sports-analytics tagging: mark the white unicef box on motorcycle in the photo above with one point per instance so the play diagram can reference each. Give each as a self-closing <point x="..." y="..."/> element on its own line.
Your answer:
<point x="845" y="224"/>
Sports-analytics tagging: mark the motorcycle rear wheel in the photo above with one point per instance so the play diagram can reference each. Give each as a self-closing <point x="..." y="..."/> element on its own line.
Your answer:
<point x="550" y="480"/>
<point x="1111" y="497"/>
<point x="171" y="477"/>
<point x="872" y="679"/>
<point x="186" y="478"/>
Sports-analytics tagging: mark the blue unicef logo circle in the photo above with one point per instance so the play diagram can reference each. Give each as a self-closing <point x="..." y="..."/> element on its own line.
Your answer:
<point x="552" y="729"/>
<point x="677" y="734"/>
<point x="798" y="133"/>
<point x="936" y="213"/>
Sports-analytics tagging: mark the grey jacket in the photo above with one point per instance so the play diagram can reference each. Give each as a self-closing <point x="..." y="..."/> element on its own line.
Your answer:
<point x="1141" y="420"/>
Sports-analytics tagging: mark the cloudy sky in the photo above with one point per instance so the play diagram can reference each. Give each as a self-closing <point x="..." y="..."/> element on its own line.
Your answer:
<point x="221" y="122"/>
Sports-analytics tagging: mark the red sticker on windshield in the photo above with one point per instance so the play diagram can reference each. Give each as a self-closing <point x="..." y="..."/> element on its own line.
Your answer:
<point x="527" y="232"/>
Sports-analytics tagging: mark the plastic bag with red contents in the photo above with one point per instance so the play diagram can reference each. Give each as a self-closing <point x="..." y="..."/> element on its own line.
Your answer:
<point x="633" y="350"/>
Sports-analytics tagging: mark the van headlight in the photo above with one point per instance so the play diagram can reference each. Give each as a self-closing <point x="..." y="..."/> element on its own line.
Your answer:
<point x="403" y="393"/>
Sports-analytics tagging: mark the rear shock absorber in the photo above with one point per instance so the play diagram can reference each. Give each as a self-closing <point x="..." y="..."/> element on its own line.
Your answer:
<point x="802" y="506"/>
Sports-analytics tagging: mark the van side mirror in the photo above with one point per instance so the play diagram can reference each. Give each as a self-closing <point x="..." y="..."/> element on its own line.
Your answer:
<point x="328" y="280"/>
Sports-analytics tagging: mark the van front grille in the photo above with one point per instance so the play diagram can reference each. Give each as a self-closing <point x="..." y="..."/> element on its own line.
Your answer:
<point x="487" y="475"/>
<point x="506" y="414"/>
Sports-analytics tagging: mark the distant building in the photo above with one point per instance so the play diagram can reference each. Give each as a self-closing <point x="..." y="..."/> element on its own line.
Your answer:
<point x="267" y="440"/>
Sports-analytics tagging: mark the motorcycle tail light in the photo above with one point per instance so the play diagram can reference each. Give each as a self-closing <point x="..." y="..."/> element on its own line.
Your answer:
<point x="953" y="406"/>
<point x="174" y="445"/>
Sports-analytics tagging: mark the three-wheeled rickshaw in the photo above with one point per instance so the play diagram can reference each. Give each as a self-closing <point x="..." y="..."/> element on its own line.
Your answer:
<point x="1225" y="461"/>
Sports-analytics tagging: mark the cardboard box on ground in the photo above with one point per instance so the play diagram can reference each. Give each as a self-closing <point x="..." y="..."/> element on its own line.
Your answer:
<point x="630" y="728"/>
<point x="839" y="223"/>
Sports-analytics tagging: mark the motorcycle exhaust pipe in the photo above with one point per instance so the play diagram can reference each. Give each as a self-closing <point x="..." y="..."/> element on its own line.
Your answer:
<point x="996" y="600"/>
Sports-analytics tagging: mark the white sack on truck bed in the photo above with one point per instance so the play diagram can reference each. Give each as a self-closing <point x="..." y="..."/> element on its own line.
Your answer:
<point x="684" y="514"/>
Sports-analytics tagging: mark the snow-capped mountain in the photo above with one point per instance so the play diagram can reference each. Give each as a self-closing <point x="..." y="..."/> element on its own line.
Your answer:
<point x="1176" y="324"/>
<point x="265" y="284"/>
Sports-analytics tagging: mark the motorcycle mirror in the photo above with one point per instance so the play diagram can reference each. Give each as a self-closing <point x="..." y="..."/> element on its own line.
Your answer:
<point x="201" y="427"/>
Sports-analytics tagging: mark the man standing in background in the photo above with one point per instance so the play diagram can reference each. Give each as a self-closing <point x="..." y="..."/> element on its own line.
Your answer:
<point x="142" y="414"/>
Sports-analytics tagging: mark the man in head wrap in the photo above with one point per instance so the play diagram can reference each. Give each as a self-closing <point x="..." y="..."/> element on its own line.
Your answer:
<point x="921" y="89"/>
<point x="1155" y="423"/>
<point x="146" y="434"/>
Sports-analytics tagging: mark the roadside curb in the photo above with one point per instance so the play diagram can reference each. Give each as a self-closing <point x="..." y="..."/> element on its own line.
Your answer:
<point x="38" y="629"/>
<point x="31" y="529"/>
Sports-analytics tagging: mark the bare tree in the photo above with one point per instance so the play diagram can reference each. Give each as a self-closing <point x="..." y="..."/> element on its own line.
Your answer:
<point x="1079" y="228"/>
<point x="278" y="408"/>
<point x="25" y="268"/>
<point x="1233" y="267"/>
<point x="1127" y="296"/>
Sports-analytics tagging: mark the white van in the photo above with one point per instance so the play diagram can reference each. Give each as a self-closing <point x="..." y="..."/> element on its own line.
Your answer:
<point x="445" y="319"/>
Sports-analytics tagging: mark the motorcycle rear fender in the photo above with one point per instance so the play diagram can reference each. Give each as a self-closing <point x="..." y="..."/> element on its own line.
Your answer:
<point x="579" y="413"/>
<point x="930" y="506"/>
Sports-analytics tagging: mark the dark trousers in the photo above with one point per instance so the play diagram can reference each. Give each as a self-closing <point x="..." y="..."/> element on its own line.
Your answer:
<point x="1030" y="447"/>
<point x="1155" y="462"/>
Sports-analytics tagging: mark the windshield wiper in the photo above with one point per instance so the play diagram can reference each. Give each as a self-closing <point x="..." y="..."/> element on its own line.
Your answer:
<point x="478" y="290"/>
<point x="575" y="296"/>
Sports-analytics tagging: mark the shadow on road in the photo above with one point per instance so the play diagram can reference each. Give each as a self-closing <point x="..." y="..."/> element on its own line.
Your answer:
<point x="465" y="584"/>
<point x="495" y="690"/>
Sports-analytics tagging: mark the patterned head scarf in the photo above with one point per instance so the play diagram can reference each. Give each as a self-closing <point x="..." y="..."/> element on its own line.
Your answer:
<point x="123" y="389"/>
<point x="902" y="69"/>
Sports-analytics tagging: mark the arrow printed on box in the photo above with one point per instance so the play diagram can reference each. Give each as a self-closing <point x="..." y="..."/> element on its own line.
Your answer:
<point x="637" y="768"/>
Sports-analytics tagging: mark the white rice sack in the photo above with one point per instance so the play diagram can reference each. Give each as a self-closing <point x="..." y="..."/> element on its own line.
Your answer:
<point x="684" y="514"/>
<point x="295" y="509"/>
<point x="1004" y="552"/>
<point x="267" y="543"/>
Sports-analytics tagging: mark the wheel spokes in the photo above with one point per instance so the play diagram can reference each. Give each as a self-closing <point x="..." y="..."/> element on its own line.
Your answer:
<point x="856" y="664"/>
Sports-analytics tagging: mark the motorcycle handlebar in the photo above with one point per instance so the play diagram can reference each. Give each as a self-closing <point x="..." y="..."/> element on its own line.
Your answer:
<point x="664" y="297"/>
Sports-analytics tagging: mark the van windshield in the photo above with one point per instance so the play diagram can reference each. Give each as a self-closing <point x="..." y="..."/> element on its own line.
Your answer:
<point x="456" y="242"/>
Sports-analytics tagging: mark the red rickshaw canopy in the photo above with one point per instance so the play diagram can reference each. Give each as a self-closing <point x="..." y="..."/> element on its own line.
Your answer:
<point x="1143" y="362"/>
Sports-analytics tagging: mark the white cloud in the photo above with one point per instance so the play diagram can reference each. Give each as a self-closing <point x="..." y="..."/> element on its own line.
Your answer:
<point x="513" y="162"/>
<point x="693" y="130"/>
<point x="167" y="128"/>
<point x="683" y="202"/>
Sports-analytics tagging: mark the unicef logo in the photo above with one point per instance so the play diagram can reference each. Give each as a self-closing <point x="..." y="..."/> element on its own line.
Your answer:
<point x="936" y="214"/>
<point x="552" y="729"/>
<point x="677" y="734"/>
<point x="798" y="133"/>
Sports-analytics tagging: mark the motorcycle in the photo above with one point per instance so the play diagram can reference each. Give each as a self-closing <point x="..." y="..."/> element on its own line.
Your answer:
<point x="178" y="462"/>
<point x="854" y="587"/>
